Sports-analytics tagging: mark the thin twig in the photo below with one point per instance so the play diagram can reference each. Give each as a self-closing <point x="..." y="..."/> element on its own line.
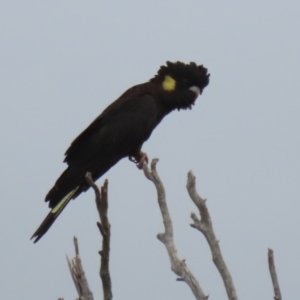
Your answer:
<point x="178" y="266"/>
<point x="78" y="275"/>
<point x="205" y="226"/>
<point x="273" y="273"/>
<point x="104" y="228"/>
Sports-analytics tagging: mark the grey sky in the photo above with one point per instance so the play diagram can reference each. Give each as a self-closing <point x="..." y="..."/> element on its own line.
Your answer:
<point x="63" y="62"/>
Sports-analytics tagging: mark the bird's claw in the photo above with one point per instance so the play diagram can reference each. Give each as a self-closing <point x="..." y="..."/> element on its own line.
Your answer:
<point x="131" y="158"/>
<point x="139" y="159"/>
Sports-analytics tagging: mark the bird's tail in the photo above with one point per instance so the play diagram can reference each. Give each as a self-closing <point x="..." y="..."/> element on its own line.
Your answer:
<point x="54" y="213"/>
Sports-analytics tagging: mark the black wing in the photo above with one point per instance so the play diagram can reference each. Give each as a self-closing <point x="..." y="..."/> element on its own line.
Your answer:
<point x="120" y="130"/>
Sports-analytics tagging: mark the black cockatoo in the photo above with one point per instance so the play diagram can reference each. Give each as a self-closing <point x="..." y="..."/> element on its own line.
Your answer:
<point x="121" y="129"/>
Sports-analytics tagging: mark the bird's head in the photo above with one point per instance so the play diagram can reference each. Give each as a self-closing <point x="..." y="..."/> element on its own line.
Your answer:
<point x="181" y="83"/>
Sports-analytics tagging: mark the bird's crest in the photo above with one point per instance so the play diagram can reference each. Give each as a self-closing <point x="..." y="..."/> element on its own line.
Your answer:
<point x="172" y="73"/>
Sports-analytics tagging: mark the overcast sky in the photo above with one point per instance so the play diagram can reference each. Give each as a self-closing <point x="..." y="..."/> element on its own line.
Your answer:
<point x="63" y="62"/>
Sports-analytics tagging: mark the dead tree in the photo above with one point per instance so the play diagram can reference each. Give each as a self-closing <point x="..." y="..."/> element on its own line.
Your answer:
<point x="203" y="223"/>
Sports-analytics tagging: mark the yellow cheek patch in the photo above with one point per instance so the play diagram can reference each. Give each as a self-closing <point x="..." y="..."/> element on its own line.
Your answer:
<point x="169" y="83"/>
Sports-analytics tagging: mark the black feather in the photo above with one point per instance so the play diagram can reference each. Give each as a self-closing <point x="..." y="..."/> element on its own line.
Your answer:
<point x="120" y="131"/>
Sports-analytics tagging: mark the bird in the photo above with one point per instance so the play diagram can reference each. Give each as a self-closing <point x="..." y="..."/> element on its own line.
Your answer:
<point x="121" y="129"/>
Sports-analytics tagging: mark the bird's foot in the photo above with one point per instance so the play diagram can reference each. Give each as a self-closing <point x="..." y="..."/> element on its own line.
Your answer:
<point x="139" y="159"/>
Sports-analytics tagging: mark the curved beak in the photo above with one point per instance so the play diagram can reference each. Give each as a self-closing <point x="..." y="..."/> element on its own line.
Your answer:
<point x="196" y="90"/>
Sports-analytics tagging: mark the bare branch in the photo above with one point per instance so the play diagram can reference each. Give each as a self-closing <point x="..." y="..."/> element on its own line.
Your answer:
<point x="205" y="226"/>
<point x="178" y="266"/>
<point x="104" y="227"/>
<point x="78" y="275"/>
<point x="273" y="273"/>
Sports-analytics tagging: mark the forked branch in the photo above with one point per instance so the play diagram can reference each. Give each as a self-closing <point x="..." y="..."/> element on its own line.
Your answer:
<point x="78" y="275"/>
<point x="205" y="226"/>
<point x="178" y="265"/>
